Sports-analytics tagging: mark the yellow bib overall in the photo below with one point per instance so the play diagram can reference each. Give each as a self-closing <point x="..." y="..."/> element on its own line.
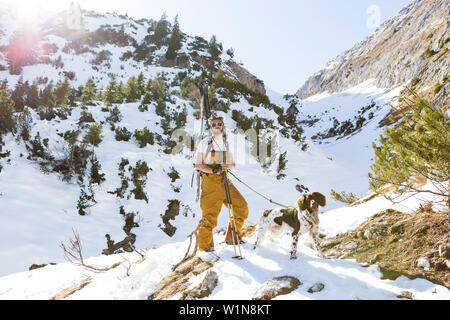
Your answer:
<point x="211" y="201"/>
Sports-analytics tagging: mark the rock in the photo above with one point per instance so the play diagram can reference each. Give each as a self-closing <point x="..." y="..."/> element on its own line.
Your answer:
<point x="397" y="228"/>
<point x="71" y="290"/>
<point x="276" y="287"/>
<point x="406" y="294"/>
<point x="444" y="251"/>
<point x="316" y="288"/>
<point x="246" y="77"/>
<point x="178" y="281"/>
<point x="333" y="254"/>
<point x="181" y="61"/>
<point x="350" y="246"/>
<point x="38" y="266"/>
<point x="397" y="253"/>
<point x="375" y="259"/>
<point x="204" y="289"/>
<point x="440" y="266"/>
<point x="376" y="231"/>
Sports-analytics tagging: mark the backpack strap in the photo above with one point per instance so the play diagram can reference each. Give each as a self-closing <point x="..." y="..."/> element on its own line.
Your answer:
<point x="209" y="147"/>
<point x="225" y="141"/>
<point x="210" y="144"/>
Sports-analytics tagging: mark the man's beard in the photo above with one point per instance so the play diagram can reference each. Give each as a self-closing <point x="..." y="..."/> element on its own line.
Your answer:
<point x="216" y="132"/>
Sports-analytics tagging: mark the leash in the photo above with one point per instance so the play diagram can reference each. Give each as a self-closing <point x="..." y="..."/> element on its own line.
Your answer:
<point x="268" y="199"/>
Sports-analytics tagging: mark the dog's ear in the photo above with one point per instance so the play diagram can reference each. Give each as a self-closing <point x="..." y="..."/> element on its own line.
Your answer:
<point x="301" y="203"/>
<point x="266" y="213"/>
<point x="320" y="198"/>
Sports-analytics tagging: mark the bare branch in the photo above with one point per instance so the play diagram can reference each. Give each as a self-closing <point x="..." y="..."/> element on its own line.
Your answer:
<point x="73" y="253"/>
<point x="187" y="255"/>
<point x="135" y="250"/>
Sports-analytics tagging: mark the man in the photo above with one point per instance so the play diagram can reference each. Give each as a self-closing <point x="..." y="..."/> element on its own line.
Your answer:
<point x="213" y="158"/>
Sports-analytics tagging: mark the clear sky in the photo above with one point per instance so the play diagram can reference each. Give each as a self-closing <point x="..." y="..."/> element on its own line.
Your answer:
<point x="281" y="42"/>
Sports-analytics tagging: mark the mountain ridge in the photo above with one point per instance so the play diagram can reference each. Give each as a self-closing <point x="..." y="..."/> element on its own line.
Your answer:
<point x="411" y="45"/>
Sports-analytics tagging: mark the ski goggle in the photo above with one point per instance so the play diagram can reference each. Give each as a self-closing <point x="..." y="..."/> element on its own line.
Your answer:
<point x="217" y="124"/>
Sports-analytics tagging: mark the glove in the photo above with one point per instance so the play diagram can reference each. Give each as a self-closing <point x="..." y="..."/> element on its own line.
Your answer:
<point x="216" y="168"/>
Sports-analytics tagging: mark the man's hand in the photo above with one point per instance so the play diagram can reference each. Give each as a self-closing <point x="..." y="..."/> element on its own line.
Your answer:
<point x="217" y="169"/>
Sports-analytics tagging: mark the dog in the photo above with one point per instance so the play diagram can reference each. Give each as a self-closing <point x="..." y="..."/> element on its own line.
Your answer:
<point x="303" y="219"/>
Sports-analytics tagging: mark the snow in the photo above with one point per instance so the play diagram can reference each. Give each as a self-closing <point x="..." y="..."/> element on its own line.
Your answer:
<point x="423" y="262"/>
<point x="41" y="212"/>
<point x="238" y="279"/>
<point x="341" y="220"/>
<point x="38" y="211"/>
<point x="94" y="23"/>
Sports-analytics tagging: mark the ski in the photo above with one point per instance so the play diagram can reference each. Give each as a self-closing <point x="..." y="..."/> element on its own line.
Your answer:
<point x="205" y="112"/>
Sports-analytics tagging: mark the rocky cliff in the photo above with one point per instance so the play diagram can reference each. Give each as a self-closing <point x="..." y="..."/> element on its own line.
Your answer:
<point x="412" y="45"/>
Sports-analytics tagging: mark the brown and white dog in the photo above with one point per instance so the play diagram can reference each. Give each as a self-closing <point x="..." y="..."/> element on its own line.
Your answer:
<point x="303" y="219"/>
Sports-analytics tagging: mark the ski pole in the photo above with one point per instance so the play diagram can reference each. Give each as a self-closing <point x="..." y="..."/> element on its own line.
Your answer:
<point x="234" y="234"/>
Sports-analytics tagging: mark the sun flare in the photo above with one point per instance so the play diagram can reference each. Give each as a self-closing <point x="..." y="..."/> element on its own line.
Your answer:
<point x="29" y="11"/>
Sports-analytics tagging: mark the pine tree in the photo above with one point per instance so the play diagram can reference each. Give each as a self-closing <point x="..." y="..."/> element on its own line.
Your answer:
<point x="62" y="92"/>
<point x="132" y="90"/>
<point x="110" y="95"/>
<point x="89" y="93"/>
<point x="96" y="176"/>
<point x="140" y="82"/>
<point x="139" y="178"/>
<point x="417" y="149"/>
<point x="120" y="93"/>
<point x="94" y="136"/>
<point x="161" y="30"/>
<point x="343" y="196"/>
<point x="7" y="120"/>
<point x="24" y="122"/>
<point x="73" y="98"/>
<point x="145" y="102"/>
<point x="32" y="99"/>
<point x="215" y="48"/>
<point x="18" y="95"/>
<point x="157" y="87"/>
<point x="46" y="96"/>
<point x="281" y="165"/>
<point x="122" y="134"/>
<point x="230" y="52"/>
<point x="147" y="98"/>
<point x="144" y="137"/>
<point x="174" y="41"/>
<point x="86" y="200"/>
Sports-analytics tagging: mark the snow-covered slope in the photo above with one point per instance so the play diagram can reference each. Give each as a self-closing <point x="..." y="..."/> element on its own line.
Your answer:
<point x="41" y="210"/>
<point x="136" y="278"/>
